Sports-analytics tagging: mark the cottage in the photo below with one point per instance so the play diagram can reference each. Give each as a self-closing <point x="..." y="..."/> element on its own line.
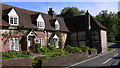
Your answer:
<point x="21" y="29"/>
<point x="85" y="30"/>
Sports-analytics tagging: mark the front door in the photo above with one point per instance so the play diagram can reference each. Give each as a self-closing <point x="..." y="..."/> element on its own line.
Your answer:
<point x="56" y="41"/>
<point x="30" y="43"/>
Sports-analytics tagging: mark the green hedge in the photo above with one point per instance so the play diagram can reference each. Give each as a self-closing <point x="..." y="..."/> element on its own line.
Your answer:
<point x="52" y="51"/>
<point x="14" y="54"/>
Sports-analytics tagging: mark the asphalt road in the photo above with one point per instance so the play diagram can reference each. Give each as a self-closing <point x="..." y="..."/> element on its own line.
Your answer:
<point x="108" y="60"/>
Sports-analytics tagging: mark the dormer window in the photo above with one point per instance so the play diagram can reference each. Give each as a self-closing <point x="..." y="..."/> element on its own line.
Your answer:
<point x="57" y="25"/>
<point x="13" y="18"/>
<point x="40" y="22"/>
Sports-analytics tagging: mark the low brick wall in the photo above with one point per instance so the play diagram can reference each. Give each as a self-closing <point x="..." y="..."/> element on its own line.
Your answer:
<point x="55" y="61"/>
<point x="94" y="53"/>
<point x="17" y="62"/>
<point x="64" y="60"/>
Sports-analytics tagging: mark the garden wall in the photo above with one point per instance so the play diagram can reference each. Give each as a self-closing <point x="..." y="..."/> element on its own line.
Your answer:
<point x="17" y="62"/>
<point x="60" y="61"/>
<point x="66" y="60"/>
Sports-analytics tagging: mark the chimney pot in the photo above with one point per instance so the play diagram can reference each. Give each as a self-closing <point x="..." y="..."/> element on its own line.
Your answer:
<point x="51" y="12"/>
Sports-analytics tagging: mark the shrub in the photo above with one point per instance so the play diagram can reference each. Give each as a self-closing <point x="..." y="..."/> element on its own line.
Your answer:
<point x="78" y="49"/>
<point x="25" y="54"/>
<point x="85" y="48"/>
<point x="9" y="54"/>
<point x="52" y="47"/>
<point x="92" y="49"/>
<point x="73" y="49"/>
<point x="110" y="49"/>
<point x="37" y="47"/>
<point x="56" y="54"/>
<point x="36" y="61"/>
<point x="44" y="49"/>
<point x="14" y="54"/>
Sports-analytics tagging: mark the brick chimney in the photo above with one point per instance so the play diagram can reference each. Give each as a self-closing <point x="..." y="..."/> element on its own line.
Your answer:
<point x="51" y="12"/>
<point x="88" y="20"/>
<point x="88" y="27"/>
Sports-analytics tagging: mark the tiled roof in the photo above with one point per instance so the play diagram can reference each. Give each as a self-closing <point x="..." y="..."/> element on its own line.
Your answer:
<point x="28" y="18"/>
<point x="79" y="23"/>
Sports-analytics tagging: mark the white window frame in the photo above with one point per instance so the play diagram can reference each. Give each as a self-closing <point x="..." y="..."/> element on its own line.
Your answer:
<point x="13" y="14"/>
<point x="14" y="44"/>
<point x="40" y="24"/>
<point x="57" y="25"/>
<point x="42" y="42"/>
<point x="15" y="22"/>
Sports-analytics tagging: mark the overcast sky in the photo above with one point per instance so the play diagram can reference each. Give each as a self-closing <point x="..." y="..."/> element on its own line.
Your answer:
<point x="93" y="7"/>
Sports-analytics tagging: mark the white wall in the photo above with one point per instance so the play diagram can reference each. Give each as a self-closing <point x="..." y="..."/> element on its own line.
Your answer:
<point x="103" y="35"/>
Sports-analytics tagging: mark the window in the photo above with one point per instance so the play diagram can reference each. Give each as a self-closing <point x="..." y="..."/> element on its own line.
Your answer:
<point x="57" y="26"/>
<point x="13" y="17"/>
<point x="40" y="24"/>
<point x="13" y="20"/>
<point x="41" y="42"/>
<point x="14" y="44"/>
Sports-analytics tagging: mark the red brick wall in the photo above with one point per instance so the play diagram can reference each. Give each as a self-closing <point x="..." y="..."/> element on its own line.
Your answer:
<point x="24" y="61"/>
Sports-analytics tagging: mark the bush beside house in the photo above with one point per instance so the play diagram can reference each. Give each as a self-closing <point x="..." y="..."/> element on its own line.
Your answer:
<point x="52" y="52"/>
<point x="54" y="56"/>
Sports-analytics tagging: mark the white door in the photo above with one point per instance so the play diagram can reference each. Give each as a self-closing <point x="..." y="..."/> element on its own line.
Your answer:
<point x="56" y="42"/>
<point x="30" y="40"/>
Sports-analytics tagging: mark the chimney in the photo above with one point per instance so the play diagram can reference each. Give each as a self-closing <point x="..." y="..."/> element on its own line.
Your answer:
<point x="88" y="27"/>
<point x="88" y="20"/>
<point x="51" y="12"/>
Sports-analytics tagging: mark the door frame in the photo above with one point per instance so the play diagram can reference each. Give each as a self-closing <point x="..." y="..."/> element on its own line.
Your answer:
<point x="31" y="35"/>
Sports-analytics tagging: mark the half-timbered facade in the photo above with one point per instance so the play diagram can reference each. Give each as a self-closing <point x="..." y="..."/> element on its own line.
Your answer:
<point x="85" y="30"/>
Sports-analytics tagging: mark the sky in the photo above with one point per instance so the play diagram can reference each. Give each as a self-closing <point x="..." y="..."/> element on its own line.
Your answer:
<point x="93" y="7"/>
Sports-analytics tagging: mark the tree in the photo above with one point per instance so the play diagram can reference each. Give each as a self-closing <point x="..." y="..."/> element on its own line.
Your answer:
<point x="71" y="11"/>
<point x="109" y="20"/>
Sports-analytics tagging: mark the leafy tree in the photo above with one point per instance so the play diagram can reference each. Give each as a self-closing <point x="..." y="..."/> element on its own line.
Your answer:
<point x="110" y="20"/>
<point x="71" y="11"/>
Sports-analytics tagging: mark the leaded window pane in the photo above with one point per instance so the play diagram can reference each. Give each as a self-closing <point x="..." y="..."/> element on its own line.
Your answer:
<point x="15" y="20"/>
<point x="11" y="20"/>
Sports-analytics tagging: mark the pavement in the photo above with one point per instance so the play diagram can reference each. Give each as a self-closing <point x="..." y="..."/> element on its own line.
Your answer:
<point x="103" y="60"/>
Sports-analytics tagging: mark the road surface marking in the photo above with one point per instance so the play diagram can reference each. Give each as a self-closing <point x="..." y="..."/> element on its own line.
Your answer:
<point x="90" y="59"/>
<point x="107" y="60"/>
<point x="115" y="54"/>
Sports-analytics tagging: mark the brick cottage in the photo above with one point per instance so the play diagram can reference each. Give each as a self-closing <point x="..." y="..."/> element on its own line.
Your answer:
<point x="21" y="29"/>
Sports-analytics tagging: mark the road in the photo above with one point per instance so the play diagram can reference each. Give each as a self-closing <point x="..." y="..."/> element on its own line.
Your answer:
<point x="106" y="60"/>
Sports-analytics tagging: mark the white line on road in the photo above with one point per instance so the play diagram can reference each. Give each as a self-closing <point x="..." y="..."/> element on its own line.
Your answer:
<point x="89" y="59"/>
<point x="115" y="54"/>
<point x="107" y="60"/>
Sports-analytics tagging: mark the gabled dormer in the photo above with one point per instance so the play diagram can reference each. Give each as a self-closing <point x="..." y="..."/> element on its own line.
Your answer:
<point x="13" y="18"/>
<point x="40" y="22"/>
<point x="57" y="25"/>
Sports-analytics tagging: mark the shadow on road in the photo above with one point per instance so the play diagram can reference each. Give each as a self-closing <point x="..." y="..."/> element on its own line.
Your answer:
<point x="116" y="45"/>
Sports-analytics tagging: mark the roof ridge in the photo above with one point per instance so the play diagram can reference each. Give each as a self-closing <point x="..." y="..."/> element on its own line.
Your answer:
<point x="24" y="9"/>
